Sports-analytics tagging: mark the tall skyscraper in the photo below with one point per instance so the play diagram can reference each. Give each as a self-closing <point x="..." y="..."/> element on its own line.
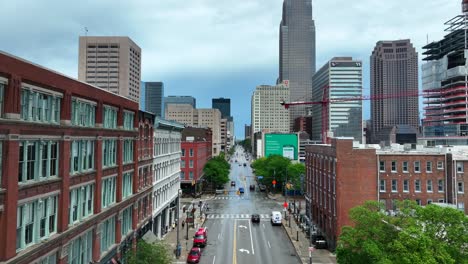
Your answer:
<point x="154" y="93"/>
<point x="341" y="77"/>
<point x="267" y="112"/>
<point x="176" y="99"/>
<point x="394" y="70"/>
<point x="111" y="63"/>
<point x="223" y="104"/>
<point x="297" y="52"/>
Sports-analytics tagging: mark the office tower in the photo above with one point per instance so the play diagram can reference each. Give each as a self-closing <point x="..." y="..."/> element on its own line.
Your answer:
<point x="297" y="53"/>
<point x="247" y="131"/>
<point x="267" y="112"/>
<point x="445" y="86"/>
<point x="223" y="104"/>
<point x="111" y="63"/>
<point x="172" y="99"/>
<point x="394" y="71"/>
<point x="339" y="78"/>
<point x="154" y="93"/>
<point x="186" y="114"/>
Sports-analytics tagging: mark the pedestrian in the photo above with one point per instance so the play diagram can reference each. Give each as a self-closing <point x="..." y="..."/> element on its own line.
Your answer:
<point x="173" y="225"/>
<point x="183" y="223"/>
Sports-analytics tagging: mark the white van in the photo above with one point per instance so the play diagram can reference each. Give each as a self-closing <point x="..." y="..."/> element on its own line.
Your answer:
<point x="276" y="218"/>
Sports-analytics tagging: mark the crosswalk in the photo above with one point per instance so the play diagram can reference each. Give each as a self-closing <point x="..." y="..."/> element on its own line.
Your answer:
<point x="235" y="216"/>
<point x="231" y="197"/>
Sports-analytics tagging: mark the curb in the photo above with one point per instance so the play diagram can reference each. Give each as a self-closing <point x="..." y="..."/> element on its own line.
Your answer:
<point x="291" y="241"/>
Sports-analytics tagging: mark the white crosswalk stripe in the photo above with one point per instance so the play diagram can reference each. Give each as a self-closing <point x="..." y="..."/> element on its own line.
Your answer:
<point x="235" y="216"/>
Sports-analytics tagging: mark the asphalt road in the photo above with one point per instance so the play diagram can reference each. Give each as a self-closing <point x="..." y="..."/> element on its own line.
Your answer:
<point x="232" y="237"/>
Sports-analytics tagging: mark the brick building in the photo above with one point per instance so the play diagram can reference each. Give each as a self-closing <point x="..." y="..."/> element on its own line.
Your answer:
<point x="69" y="187"/>
<point x="341" y="176"/>
<point x="196" y="151"/>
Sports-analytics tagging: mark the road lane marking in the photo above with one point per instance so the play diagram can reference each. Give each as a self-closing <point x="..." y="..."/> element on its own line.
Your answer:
<point x="251" y="240"/>
<point x="234" y="250"/>
<point x="263" y="226"/>
<point x="269" y="244"/>
<point x="214" y="258"/>
<point x="219" y="235"/>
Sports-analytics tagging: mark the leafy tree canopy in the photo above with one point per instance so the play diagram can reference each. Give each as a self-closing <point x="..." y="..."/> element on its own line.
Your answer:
<point x="417" y="235"/>
<point x="279" y="168"/>
<point x="149" y="253"/>
<point x="216" y="170"/>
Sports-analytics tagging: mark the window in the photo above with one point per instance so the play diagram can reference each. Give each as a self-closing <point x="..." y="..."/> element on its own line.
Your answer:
<point x="128" y="151"/>
<point x="183" y="152"/>
<point x="405" y="185"/>
<point x="110" y="117"/>
<point x="38" y="160"/>
<point x="418" y="201"/>
<point x="429" y="166"/>
<point x="405" y="166"/>
<point x="440" y="165"/>
<point x="461" y="187"/>
<point x="51" y="259"/>
<point x="81" y="203"/>
<point x="36" y="220"/>
<point x="461" y="206"/>
<point x="459" y="166"/>
<point x="191" y="164"/>
<point x="440" y="186"/>
<point x="83" y="113"/>
<point x="39" y="107"/>
<point x="417" y="185"/>
<point x="128" y="120"/>
<point x="80" y="250"/>
<point x="182" y="164"/>
<point x="82" y="156"/>
<point x="127" y="189"/>
<point x="429" y="201"/>
<point x="191" y="175"/>
<point x="126" y="221"/>
<point x="108" y="192"/>
<point x="107" y="234"/>
<point x="382" y="186"/>
<point x="109" y="150"/>
<point x="417" y="166"/>
<point x="429" y="186"/>
<point x="191" y="153"/>
<point x="182" y="175"/>
<point x="394" y="166"/>
<point x="394" y="185"/>
<point x="2" y="90"/>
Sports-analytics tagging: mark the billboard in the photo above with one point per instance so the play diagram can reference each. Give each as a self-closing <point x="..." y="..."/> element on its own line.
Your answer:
<point x="285" y="145"/>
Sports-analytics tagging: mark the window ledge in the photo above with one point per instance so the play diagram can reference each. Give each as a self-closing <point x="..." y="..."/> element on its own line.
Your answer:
<point x="23" y="185"/>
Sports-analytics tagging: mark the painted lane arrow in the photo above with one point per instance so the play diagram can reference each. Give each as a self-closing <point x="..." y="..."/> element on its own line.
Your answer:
<point x="244" y="250"/>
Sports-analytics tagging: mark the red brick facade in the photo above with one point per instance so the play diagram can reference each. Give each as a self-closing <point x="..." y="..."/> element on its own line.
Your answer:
<point x="14" y="130"/>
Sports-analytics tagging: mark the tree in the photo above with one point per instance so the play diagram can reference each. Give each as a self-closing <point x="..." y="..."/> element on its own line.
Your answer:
<point x="279" y="168"/>
<point x="295" y="172"/>
<point x="149" y="253"/>
<point x="246" y="144"/>
<point x="430" y="234"/>
<point x="216" y="170"/>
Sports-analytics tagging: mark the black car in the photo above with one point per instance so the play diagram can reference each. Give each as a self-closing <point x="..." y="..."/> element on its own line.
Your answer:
<point x="320" y="242"/>
<point x="255" y="218"/>
<point x="252" y="187"/>
<point x="262" y="187"/>
<point x="233" y="183"/>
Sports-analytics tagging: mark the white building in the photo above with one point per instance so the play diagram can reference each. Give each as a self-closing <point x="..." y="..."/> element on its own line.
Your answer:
<point x="166" y="178"/>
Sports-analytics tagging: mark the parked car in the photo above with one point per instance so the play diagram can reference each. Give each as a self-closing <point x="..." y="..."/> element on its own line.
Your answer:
<point x="194" y="255"/>
<point x="200" y="239"/>
<point x="320" y="242"/>
<point x="245" y="164"/>
<point x="262" y="187"/>
<point x="252" y="187"/>
<point x="241" y="190"/>
<point x="255" y="218"/>
<point x="233" y="183"/>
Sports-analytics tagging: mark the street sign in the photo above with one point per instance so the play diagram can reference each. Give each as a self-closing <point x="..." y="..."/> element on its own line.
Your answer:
<point x="259" y="177"/>
<point x="285" y="205"/>
<point x="274" y="182"/>
<point x="311" y="249"/>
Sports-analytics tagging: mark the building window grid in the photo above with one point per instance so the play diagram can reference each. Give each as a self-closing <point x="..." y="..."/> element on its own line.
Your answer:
<point x="417" y="185"/>
<point x="429" y="186"/>
<point x="440" y="165"/>
<point x="80" y="250"/>
<point x="127" y="184"/>
<point x="38" y="160"/>
<point x="461" y="188"/>
<point x="460" y="168"/>
<point x="405" y="166"/>
<point x="36" y="220"/>
<point x="394" y="185"/>
<point x="110" y="117"/>
<point x="39" y="107"/>
<point x="83" y="113"/>
<point x="128" y="120"/>
<point x="108" y="191"/>
<point x="127" y="151"/>
<point x="441" y="186"/>
<point x="406" y="186"/>
<point x="382" y="166"/>
<point x="127" y="221"/>
<point x="109" y="151"/>
<point x="107" y="234"/>
<point x="429" y="166"/>
<point x="81" y="203"/>
<point x="417" y="166"/>
<point x="191" y="164"/>
<point x="82" y="156"/>
<point x="394" y="166"/>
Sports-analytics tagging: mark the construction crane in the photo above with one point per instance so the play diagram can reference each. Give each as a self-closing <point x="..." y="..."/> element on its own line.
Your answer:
<point x="326" y="101"/>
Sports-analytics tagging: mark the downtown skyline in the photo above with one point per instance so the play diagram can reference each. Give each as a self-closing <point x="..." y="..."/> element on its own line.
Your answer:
<point x="212" y="45"/>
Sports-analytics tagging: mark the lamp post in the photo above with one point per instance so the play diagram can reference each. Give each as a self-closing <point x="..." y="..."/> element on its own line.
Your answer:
<point x="179" y="248"/>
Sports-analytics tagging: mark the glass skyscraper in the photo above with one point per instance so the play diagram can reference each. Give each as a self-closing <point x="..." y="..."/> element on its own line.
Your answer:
<point x="297" y="52"/>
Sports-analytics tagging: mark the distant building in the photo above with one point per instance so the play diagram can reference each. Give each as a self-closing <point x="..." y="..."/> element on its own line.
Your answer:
<point x="154" y="93"/>
<point x="303" y="124"/>
<point x="267" y="112"/>
<point x="247" y="131"/>
<point x="224" y="105"/>
<point x="394" y="71"/>
<point x="297" y="54"/>
<point x="186" y="114"/>
<point x="172" y="99"/>
<point x="111" y="63"/>
<point x="402" y="134"/>
<point x="341" y="77"/>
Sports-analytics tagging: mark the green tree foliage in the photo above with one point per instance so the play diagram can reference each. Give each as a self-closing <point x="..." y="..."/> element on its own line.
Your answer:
<point x="246" y="144"/>
<point x="417" y="235"/>
<point x="149" y="253"/>
<point x="279" y="168"/>
<point x="216" y="170"/>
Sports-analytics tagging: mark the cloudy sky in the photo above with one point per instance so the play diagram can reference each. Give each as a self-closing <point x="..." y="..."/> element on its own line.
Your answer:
<point x="213" y="48"/>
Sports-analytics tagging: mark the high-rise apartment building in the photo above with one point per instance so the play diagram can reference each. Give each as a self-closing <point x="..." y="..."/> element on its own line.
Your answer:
<point x="297" y="52"/>
<point x="445" y="86"/>
<point x="173" y="99"/>
<point x="186" y="114"/>
<point x="223" y="104"/>
<point x="111" y="63"/>
<point x="154" y="93"/>
<point x="267" y="112"/>
<point x="394" y="71"/>
<point x="339" y="78"/>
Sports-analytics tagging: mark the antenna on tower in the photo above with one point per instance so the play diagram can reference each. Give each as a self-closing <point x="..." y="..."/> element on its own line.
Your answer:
<point x="86" y="31"/>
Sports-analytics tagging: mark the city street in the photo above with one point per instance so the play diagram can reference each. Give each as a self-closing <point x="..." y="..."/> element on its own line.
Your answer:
<point x="232" y="237"/>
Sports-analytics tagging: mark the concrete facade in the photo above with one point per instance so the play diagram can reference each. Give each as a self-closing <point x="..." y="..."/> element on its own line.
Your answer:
<point x="111" y="63"/>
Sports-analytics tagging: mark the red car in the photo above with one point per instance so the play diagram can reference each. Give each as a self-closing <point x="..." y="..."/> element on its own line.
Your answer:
<point x="194" y="255"/>
<point x="200" y="238"/>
